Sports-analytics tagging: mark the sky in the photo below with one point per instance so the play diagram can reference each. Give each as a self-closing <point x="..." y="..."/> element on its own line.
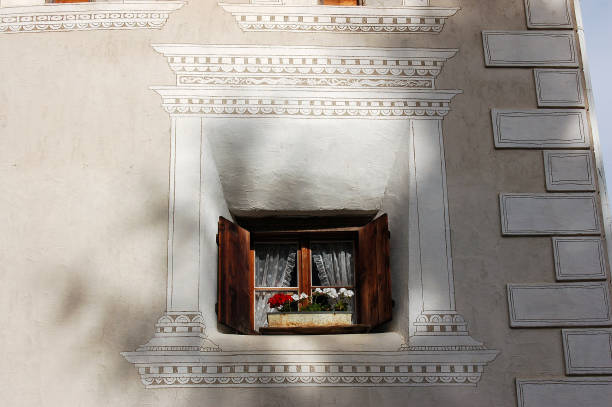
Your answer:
<point x="597" y="17"/>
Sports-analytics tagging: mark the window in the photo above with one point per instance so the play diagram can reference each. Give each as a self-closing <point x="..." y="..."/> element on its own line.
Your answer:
<point x="342" y="2"/>
<point x="255" y="265"/>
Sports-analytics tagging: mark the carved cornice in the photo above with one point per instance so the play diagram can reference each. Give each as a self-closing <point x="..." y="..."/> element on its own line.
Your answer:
<point x="441" y="330"/>
<point x="180" y="331"/>
<point x="306" y="103"/>
<point x="112" y="15"/>
<point x="335" y="67"/>
<point x="339" y="19"/>
<point x="266" y="368"/>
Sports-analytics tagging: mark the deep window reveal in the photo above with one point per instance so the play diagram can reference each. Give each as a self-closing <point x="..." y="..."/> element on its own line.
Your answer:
<point x="255" y="265"/>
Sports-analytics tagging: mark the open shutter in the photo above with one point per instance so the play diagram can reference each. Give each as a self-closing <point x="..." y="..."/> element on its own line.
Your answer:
<point x="373" y="273"/>
<point x="235" y="280"/>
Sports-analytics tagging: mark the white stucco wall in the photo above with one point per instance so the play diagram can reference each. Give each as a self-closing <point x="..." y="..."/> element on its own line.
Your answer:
<point x="85" y="151"/>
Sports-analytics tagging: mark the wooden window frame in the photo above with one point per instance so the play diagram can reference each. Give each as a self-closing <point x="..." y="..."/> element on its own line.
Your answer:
<point x="304" y="242"/>
<point x="236" y="274"/>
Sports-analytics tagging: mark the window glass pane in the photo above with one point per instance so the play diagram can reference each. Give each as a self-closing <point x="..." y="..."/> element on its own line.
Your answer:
<point x="276" y="265"/>
<point x="262" y="307"/>
<point x="333" y="264"/>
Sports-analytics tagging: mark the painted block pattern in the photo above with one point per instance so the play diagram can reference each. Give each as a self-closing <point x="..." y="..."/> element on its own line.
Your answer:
<point x="549" y="214"/>
<point x="541" y="128"/>
<point x="548" y="14"/>
<point x="559" y="88"/>
<point x="579" y="258"/>
<point x="530" y="48"/>
<point x="587" y="351"/>
<point x="569" y="171"/>
<point x="561" y="304"/>
<point x="586" y="392"/>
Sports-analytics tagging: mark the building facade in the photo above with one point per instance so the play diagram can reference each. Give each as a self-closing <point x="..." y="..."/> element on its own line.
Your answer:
<point x="467" y="128"/>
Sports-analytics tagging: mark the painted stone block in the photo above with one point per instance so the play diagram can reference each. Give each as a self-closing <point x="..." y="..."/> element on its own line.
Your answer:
<point x="564" y="392"/>
<point x="567" y="304"/>
<point x="549" y="214"/>
<point x="548" y="14"/>
<point x="587" y="351"/>
<point x="559" y="88"/>
<point x="541" y="128"/>
<point x="530" y="48"/>
<point x="579" y="258"/>
<point x="569" y="171"/>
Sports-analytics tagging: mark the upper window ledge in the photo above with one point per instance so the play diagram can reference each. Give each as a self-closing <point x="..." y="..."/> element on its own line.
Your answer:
<point x="340" y="19"/>
<point x="107" y="15"/>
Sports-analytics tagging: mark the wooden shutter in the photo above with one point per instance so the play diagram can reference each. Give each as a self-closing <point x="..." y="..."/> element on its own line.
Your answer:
<point x="235" y="280"/>
<point x="373" y="273"/>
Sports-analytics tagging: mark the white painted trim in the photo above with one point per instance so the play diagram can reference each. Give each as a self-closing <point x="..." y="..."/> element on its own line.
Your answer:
<point x="340" y="19"/>
<point x="107" y="15"/>
<point x="306" y="103"/>
<point x="307" y="368"/>
<point x="325" y="67"/>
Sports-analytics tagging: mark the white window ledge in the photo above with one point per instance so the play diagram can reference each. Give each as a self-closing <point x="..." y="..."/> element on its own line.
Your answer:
<point x="312" y="361"/>
<point x="111" y="15"/>
<point x="340" y="19"/>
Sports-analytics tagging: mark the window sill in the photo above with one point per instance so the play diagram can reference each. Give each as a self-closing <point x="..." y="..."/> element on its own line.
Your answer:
<point x="377" y="359"/>
<point x="111" y="15"/>
<point x="340" y="19"/>
<point x="322" y="330"/>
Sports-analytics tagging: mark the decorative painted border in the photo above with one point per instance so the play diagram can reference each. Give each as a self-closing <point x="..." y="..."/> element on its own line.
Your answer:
<point x="111" y="15"/>
<point x="387" y="104"/>
<point x="334" y="67"/>
<point x="441" y="352"/>
<point x="303" y="368"/>
<point x="340" y="19"/>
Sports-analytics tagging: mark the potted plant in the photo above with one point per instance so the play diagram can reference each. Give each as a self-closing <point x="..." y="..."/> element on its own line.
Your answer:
<point x="326" y="307"/>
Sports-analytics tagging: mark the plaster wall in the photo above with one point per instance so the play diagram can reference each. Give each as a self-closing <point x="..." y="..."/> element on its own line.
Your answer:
<point x="84" y="155"/>
<point x="303" y="165"/>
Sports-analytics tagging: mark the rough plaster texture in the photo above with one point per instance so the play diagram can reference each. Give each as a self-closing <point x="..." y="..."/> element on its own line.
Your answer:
<point x="84" y="159"/>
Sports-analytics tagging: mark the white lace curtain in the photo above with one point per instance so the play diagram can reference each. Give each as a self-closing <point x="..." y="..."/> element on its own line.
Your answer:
<point x="333" y="263"/>
<point x="275" y="266"/>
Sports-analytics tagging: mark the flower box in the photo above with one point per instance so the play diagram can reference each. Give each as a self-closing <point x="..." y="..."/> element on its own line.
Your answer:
<point x="307" y="319"/>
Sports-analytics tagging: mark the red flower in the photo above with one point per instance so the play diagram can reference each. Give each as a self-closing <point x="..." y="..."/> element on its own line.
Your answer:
<point x="278" y="300"/>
